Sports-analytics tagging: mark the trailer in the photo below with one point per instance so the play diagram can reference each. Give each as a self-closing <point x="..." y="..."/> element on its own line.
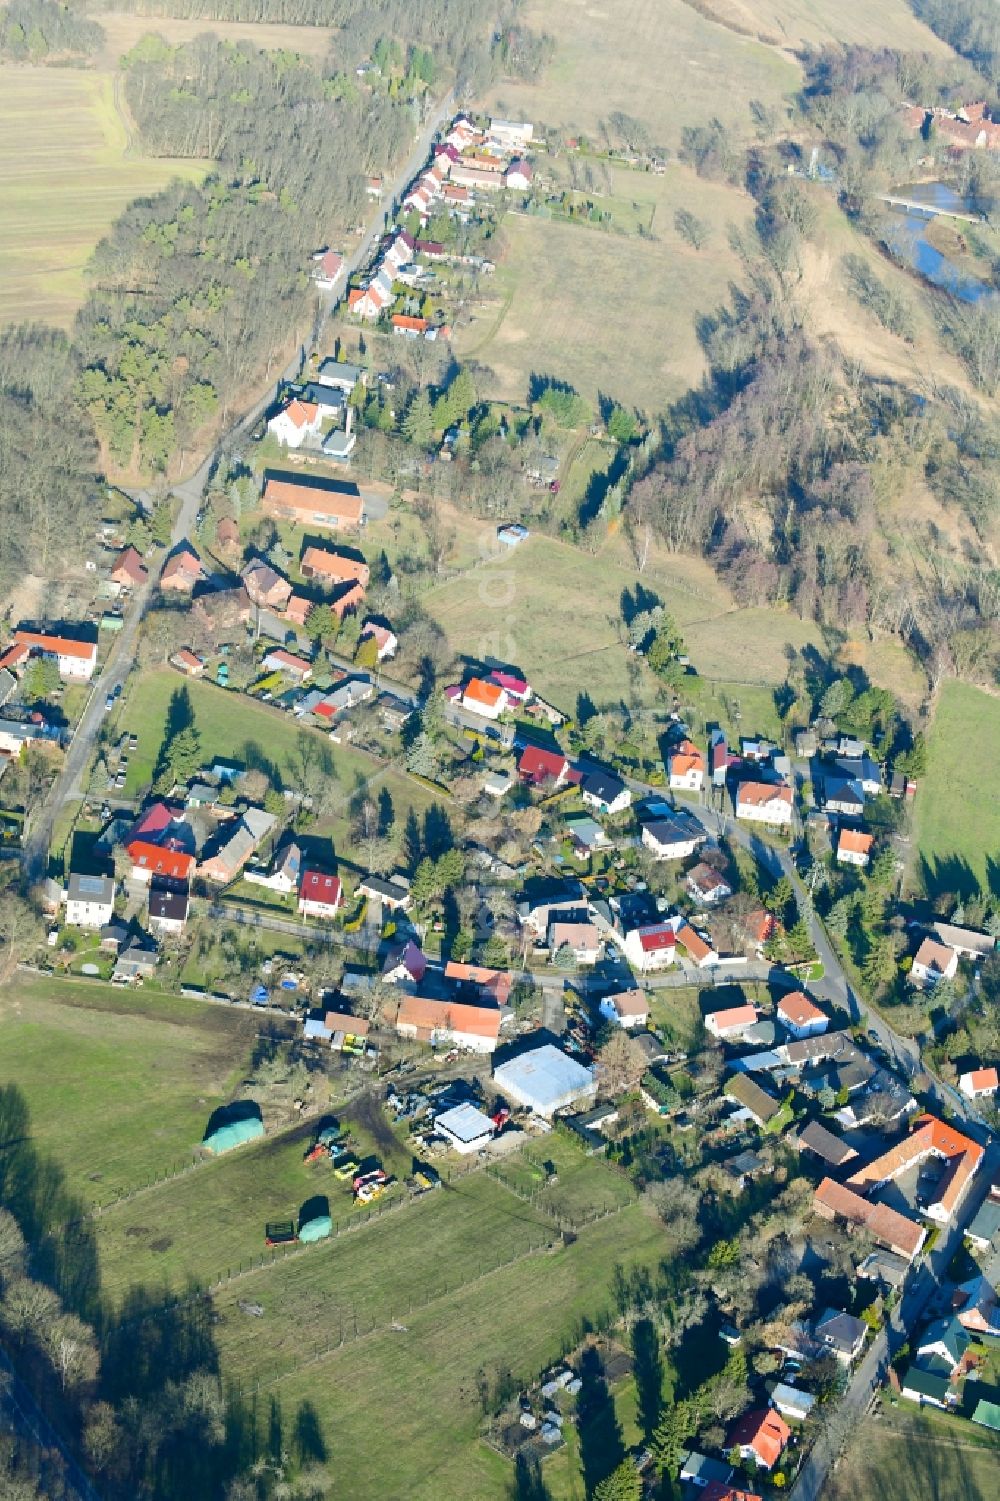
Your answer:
<point x="280" y="1233"/>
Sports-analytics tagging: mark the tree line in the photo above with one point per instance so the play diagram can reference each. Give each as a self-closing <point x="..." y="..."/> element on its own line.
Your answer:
<point x="31" y="30"/>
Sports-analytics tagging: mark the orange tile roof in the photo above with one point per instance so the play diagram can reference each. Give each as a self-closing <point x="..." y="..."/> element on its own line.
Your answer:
<point x="897" y="1231"/>
<point x="765" y="1431"/>
<point x="758" y="794"/>
<point x="60" y="646"/>
<point x="428" y="1015"/>
<point x="414" y="325"/>
<point x="983" y="1078"/>
<point x="483" y="693"/>
<point x="929" y="1138"/>
<point x="934" y="955"/>
<point x="173" y="864"/>
<point x="498" y="982"/>
<point x="799" y="1009"/>
<point x="854" y="842"/>
<point x="346" y="503"/>
<point x="685" y="758"/>
<point x="734" y="1016"/>
<point x="335" y="565"/>
<point x="693" y="943"/>
<point x="302" y="413"/>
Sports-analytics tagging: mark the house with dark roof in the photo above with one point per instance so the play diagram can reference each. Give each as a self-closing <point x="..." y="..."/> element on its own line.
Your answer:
<point x="603" y="790"/>
<point x="168" y="909"/>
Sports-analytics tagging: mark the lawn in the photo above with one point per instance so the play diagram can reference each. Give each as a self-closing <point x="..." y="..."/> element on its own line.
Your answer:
<point x="791" y="23"/>
<point x="957" y="820"/>
<point x="235" y="727"/>
<point x="520" y="1317"/>
<point x="611" y="314"/>
<point x="119" y="1085"/>
<point x="67" y="170"/>
<point x="904" y="1454"/>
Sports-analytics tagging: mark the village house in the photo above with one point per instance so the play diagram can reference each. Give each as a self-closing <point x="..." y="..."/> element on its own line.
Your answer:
<point x="708" y="886"/>
<point x="518" y="176"/>
<point x="840" y="1333"/>
<point x="486" y="699"/>
<point x="161" y="861"/>
<point x="764" y="802"/>
<point x="334" y="505"/>
<point x="281" y="660"/>
<point x="328" y="269"/>
<point x="979" y="1083"/>
<point x="182" y="570"/>
<point x="75" y="659"/>
<point x="585" y="835"/>
<point x="854" y="847"/>
<point x="474" y="982"/>
<point x="129" y="572"/>
<point x="686" y="768"/>
<point x="603" y="790"/>
<point x="761" y="1436"/>
<point x="475" y="1029"/>
<point x="296" y="422"/>
<point x="843" y="795"/>
<point x="732" y="1022"/>
<point x="168" y="910"/>
<point x="90" y="901"/>
<point x="582" y="939"/>
<point x="800" y="1016"/>
<point x="320" y="895"/>
<point x="265" y="586"/>
<point x="539" y="767"/>
<point x="927" y="1388"/>
<point x="284" y="873"/>
<point x="510" y="135"/>
<point x="933" y="962"/>
<point x="239" y="843"/>
<point x="405" y="964"/>
<point x="652" y="946"/>
<point x="386" y="640"/>
<point x="327" y="565"/>
<point x="672" y="836"/>
<point x="929" y="1138"/>
<point x="751" y="1100"/>
<point x="626" y="1008"/>
<point x="821" y="1143"/>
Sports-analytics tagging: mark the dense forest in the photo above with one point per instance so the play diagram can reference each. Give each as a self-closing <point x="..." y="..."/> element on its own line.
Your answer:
<point x="48" y="458"/>
<point x="972" y="27"/>
<point x="197" y="292"/>
<point x="32" y="30"/>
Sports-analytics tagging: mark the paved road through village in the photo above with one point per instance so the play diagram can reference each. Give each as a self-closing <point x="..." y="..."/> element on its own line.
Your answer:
<point x="68" y="786"/>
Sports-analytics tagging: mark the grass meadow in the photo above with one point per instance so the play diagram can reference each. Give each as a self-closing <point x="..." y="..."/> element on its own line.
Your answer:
<point x="656" y="60"/>
<point x="906" y="1454"/>
<point x="119" y="1084"/>
<point x="957" y="821"/>
<point x="234" y="727"/>
<point x="123" y="31"/>
<point x="610" y="313"/>
<point x="67" y="170"/>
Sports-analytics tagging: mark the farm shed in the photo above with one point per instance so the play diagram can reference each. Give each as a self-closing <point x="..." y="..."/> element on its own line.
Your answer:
<point x="545" y="1079"/>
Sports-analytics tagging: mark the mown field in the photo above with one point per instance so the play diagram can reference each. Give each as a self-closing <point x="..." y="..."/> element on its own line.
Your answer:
<point x="827" y="22"/>
<point x="903" y="1454"/>
<point x="119" y="1085"/>
<point x="609" y="313"/>
<point x="123" y="31"/>
<point x="425" y="1368"/>
<point x="67" y="170"/>
<point x="656" y="60"/>
<point x="957" y="818"/>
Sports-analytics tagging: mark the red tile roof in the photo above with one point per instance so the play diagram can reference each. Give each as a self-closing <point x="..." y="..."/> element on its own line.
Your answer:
<point x="316" y="886"/>
<point x="893" y="1229"/>
<point x="653" y="939"/>
<point x="538" y="765"/>
<point x="759" y="794"/>
<point x="334" y="565"/>
<point x="853" y="842"/>
<point x="344" y="503"/>
<point x="496" y="982"/>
